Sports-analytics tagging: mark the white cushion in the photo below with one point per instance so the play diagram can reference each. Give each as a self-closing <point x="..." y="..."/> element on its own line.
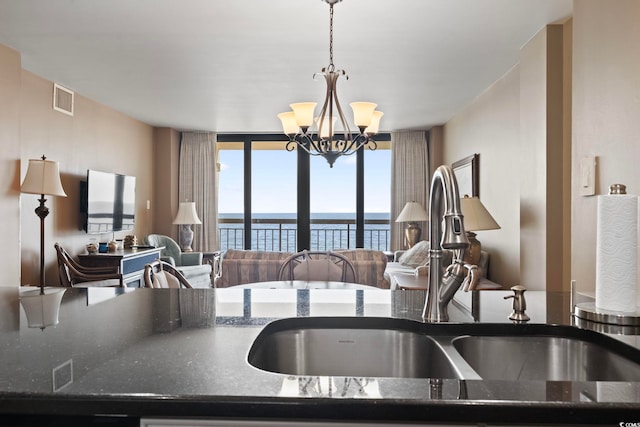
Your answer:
<point x="165" y="280"/>
<point x="416" y="256"/>
<point x="160" y="280"/>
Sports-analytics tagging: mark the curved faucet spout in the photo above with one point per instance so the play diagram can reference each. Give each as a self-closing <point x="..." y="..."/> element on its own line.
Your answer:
<point x="446" y="231"/>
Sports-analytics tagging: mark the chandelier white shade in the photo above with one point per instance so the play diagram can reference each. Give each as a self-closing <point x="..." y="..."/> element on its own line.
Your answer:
<point x="329" y="133"/>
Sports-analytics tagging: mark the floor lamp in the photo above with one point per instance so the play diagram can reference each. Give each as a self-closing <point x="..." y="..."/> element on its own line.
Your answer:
<point x="476" y="218"/>
<point x="43" y="178"/>
<point x="186" y="216"/>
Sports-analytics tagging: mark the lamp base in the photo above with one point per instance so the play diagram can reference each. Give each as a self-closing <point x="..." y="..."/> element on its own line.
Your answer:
<point x="472" y="254"/>
<point x="412" y="234"/>
<point x="186" y="237"/>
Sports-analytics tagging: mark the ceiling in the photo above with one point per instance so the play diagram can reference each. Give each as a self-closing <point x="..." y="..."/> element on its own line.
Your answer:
<point x="232" y="65"/>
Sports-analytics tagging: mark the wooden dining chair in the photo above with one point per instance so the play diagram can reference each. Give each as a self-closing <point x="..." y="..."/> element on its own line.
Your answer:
<point x="318" y="266"/>
<point x="72" y="274"/>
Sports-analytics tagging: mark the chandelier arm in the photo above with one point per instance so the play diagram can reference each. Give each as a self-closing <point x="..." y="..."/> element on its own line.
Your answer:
<point x="312" y="144"/>
<point x="323" y="110"/>
<point x="355" y="143"/>
<point x="292" y="144"/>
<point x="336" y="101"/>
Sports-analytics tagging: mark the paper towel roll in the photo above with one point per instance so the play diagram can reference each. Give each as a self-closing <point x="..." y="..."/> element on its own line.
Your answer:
<point x="617" y="252"/>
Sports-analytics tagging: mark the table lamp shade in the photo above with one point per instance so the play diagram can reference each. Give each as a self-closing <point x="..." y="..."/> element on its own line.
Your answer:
<point x="43" y="177"/>
<point x="476" y="216"/>
<point x="412" y="212"/>
<point x="187" y="214"/>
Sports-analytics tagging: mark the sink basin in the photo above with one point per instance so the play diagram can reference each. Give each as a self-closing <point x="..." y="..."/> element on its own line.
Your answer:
<point x="551" y="358"/>
<point x="400" y="348"/>
<point x="356" y="347"/>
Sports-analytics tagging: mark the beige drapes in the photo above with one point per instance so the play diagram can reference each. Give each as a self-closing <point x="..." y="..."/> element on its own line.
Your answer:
<point x="197" y="183"/>
<point x="410" y="179"/>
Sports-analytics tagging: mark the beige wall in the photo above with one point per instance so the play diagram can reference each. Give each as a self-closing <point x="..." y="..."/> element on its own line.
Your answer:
<point x="518" y="127"/>
<point x="490" y="127"/>
<point x="543" y="182"/>
<point x="606" y="114"/>
<point x="96" y="137"/>
<point x="10" y="72"/>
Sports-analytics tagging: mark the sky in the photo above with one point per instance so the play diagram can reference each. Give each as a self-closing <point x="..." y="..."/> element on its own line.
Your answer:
<point x="274" y="182"/>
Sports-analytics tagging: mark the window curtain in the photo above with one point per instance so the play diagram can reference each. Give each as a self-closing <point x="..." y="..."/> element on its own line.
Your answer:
<point x="198" y="183"/>
<point x="410" y="179"/>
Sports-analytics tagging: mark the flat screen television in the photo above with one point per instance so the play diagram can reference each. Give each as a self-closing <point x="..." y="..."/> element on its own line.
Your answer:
<point x="108" y="202"/>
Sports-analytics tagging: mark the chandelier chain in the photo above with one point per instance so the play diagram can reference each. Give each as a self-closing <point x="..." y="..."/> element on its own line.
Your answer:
<point x="331" y="66"/>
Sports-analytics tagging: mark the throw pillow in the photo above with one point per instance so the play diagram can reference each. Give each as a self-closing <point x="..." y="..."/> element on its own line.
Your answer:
<point x="416" y="256"/>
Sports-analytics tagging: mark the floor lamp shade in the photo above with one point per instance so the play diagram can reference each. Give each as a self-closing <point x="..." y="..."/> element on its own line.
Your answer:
<point x="43" y="177"/>
<point x="186" y="216"/>
<point x="412" y="213"/>
<point x="476" y="218"/>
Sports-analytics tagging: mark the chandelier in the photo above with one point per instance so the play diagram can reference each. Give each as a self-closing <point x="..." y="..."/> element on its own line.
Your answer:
<point x="318" y="135"/>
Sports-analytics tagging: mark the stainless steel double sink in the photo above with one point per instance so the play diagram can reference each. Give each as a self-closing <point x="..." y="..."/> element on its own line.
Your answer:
<point x="400" y="348"/>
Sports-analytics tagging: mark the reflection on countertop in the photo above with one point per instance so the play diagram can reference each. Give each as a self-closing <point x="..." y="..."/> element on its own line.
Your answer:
<point x="174" y="352"/>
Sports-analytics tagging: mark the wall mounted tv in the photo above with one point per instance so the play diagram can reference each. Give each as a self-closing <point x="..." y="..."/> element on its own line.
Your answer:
<point x="108" y="201"/>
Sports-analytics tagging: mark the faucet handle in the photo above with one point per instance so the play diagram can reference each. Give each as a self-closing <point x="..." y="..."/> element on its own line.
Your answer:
<point x="471" y="281"/>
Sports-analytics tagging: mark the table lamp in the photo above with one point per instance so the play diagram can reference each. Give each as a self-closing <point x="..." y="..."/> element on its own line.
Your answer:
<point x="186" y="216"/>
<point x="412" y="213"/>
<point x="476" y="218"/>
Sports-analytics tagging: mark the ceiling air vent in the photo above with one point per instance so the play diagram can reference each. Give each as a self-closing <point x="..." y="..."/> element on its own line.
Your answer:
<point x="62" y="99"/>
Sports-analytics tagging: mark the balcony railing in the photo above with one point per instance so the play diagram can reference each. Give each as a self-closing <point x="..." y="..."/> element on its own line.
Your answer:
<point x="280" y="234"/>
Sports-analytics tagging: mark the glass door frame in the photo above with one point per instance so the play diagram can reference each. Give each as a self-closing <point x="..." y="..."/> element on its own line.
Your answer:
<point x="303" y="213"/>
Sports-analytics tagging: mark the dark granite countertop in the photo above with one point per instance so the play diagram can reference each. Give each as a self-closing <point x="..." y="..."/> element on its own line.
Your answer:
<point x="119" y="355"/>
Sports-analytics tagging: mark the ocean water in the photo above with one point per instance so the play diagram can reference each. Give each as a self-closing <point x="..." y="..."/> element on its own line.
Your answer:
<point x="324" y="236"/>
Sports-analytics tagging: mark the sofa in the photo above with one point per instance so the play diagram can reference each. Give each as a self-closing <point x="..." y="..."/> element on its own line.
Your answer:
<point x="240" y="267"/>
<point x="188" y="263"/>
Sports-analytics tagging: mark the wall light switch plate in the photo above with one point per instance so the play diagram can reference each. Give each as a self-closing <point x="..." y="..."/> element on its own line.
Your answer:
<point x="588" y="176"/>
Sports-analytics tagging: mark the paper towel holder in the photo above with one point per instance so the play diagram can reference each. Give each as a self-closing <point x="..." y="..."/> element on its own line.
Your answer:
<point x="589" y="311"/>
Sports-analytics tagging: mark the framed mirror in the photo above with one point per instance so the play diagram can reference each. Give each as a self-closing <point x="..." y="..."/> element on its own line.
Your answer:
<point x="467" y="174"/>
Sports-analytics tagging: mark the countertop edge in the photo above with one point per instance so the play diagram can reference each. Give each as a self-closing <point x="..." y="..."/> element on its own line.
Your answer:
<point x="312" y="409"/>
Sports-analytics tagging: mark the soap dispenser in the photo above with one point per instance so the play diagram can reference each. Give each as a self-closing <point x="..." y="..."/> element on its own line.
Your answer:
<point x="519" y="304"/>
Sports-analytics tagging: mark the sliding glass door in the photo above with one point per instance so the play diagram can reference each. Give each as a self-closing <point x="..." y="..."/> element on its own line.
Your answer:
<point x="275" y="200"/>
